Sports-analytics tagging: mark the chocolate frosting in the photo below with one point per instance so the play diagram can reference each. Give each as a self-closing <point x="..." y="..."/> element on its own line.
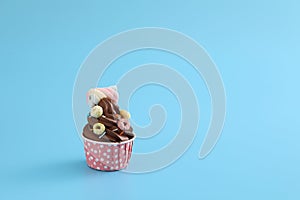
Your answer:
<point x="109" y="118"/>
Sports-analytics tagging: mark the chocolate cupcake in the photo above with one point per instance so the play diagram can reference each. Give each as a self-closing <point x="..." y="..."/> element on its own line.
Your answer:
<point x="108" y="136"/>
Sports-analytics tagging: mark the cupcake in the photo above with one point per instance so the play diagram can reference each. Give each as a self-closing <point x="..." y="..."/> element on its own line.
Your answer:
<point x="108" y="136"/>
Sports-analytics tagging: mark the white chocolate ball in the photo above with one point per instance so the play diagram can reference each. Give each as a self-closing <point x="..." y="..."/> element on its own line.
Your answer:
<point x="96" y="111"/>
<point x="98" y="128"/>
<point x="125" y="114"/>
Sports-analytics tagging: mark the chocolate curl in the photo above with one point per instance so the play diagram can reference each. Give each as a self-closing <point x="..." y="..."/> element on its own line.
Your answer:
<point x="116" y="136"/>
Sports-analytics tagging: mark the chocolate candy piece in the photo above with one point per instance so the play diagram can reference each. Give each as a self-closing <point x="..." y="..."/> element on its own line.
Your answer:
<point x="116" y="136"/>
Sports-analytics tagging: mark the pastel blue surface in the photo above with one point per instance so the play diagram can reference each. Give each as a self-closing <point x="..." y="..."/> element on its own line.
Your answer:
<point x="256" y="47"/>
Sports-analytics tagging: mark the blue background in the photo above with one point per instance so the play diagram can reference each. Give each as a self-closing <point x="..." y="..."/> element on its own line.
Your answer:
<point x="256" y="47"/>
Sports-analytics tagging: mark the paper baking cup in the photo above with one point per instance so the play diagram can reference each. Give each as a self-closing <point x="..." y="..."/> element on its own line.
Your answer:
<point x="107" y="156"/>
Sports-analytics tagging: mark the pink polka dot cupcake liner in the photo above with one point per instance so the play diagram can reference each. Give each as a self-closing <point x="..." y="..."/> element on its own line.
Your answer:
<point x="107" y="156"/>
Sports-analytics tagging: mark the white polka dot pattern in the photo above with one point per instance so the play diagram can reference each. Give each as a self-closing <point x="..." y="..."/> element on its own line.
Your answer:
<point x="107" y="157"/>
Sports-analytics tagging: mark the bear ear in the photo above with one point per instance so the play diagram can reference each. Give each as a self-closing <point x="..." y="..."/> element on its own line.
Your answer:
<point x="114" y="87"/>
